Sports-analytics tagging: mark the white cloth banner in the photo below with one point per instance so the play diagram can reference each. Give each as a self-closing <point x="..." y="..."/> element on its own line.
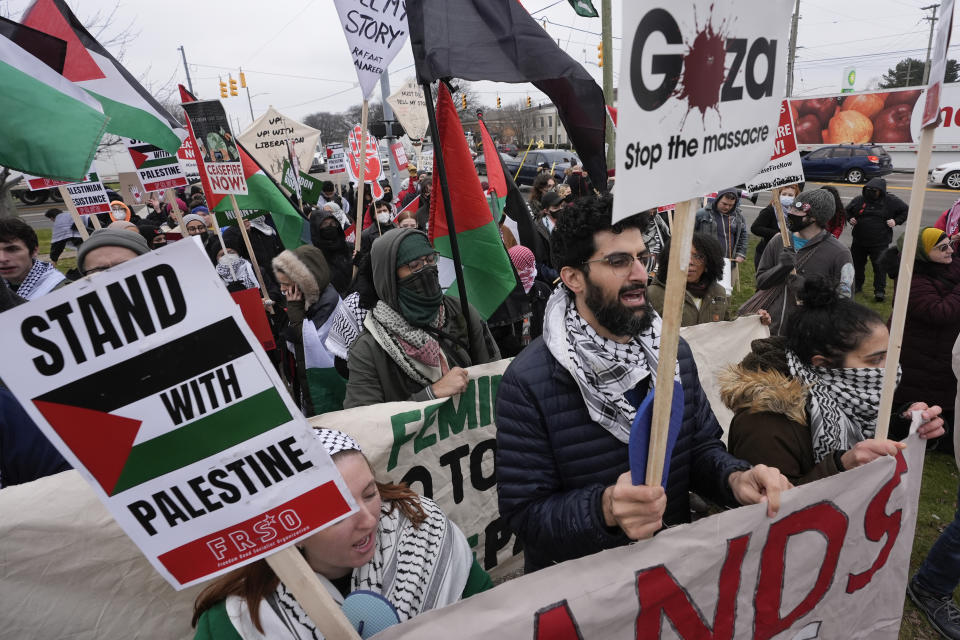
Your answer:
<point x="375" y="32"/>
<point x="266" y="139"/>
<point x="832" y="564"/>
<point x="699" y="97"/>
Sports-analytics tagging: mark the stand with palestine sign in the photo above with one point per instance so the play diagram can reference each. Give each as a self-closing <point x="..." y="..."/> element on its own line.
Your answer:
<point x="153" y="387"/>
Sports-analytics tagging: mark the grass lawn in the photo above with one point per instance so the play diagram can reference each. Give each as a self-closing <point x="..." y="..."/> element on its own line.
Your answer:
<point x="938" y="495"/>
<point x="68" y="259"/>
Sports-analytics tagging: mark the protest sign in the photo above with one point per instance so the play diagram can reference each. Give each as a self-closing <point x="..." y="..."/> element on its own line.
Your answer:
<point x="251" y="306"/>
<point x="375" y="33"/>
<point x="89" y="196"/>
<point x="37" y="183"/>
<point x="784" y="167"/>
<point x="187" y="156"/>
<point x="938" y="64"/>
<point x="157" y="169"/>
<point x="217" y="153"/>
<point x="831" y="564"/>
<point x="373" y="172"/>
<point x="130" y="187"/>
<point x="336" y="160"/>
<point x="399" y="155"/>
<point x="151" y="385"/>
<point x="699" y="97"/>
<point x="410" y="107"/>
<point x="444" y="449"/>
<point x="309" y="187"/>
<point x="266" y="139"/>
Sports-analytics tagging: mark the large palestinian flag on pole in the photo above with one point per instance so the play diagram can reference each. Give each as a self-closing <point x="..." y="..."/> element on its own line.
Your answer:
<point x="263" y="196"/>
<point x="49" y="127"/>
<point x="487" y="271"/>
<point x="133" y="112"/>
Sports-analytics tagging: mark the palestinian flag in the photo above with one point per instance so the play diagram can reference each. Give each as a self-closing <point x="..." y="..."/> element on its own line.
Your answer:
<point x="584" y="8"/>
<point x="487" y="271"/>
<point x="133" y="112"/>
<point x="505" y="198"/>
<point x="215" y="397"/>
<point x="50" y="127"/>
<point x="263" y="196"/>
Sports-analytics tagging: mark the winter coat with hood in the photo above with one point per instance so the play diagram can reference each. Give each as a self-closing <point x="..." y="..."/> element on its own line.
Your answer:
<point x="823" y="255"/>
<point x="338" y="254"/>
<point x="374" y="376"/>
<point x="321" y="387"/>
<point x="730" y="229"/>
<point x="869" y="217"/>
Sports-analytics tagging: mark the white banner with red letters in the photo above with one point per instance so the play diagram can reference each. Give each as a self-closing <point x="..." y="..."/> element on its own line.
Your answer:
<point x="784" y="167"/>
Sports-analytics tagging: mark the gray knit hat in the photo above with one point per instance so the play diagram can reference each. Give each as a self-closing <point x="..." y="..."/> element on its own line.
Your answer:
<point x="111" y="238"/>
<point x="193" y="217"/>
<point x="820" y="205"/>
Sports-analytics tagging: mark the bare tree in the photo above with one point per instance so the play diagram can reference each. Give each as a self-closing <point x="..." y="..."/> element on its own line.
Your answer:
<point x="516" y="121"/>
<point x="333" y="127"/>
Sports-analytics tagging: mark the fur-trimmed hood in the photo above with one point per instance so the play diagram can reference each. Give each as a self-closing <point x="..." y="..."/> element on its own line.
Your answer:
<point x="308" y="269"/>
<point x="763" y="390"/>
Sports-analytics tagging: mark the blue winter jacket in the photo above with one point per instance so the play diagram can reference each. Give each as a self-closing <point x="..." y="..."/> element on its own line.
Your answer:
<point x="553" y="462"/>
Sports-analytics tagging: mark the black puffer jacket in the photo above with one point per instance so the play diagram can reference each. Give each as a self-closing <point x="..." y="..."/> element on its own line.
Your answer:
<point x="869" y="217"/>
<point x="554" y="462"/>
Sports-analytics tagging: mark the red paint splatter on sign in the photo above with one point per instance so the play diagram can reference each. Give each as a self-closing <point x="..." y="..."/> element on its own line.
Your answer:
<point x="703" y="70"/>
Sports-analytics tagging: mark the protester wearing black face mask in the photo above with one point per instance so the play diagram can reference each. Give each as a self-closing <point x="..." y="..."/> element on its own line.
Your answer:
<point x="873" y="216"/>
<point x="815" y="251"/>
<point x="415" y="343"/>
<point x="327" y="234"/>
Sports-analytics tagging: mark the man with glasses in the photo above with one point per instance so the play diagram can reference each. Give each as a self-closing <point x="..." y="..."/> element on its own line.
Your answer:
<point x="415" y="343"/>
<point x="815" y="251"/>
<point x="107" y="248"/>
<point x="566" y="404"/>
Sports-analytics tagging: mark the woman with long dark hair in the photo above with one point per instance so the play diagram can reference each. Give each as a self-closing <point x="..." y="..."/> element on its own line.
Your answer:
<point x="705" y="300"/>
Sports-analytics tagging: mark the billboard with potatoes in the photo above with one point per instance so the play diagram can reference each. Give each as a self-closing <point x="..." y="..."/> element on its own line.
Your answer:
<point x="890" y="118"/>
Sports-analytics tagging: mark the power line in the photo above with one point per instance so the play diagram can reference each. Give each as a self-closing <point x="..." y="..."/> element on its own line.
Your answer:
<point x="282" y="29"/>
<point x="273" y="73"/>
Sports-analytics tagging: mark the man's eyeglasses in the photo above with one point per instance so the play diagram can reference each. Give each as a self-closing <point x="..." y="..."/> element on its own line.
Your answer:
<point x="697" y="258"/>
<point x="622" y="262"/>
<point x="428" y="260"/>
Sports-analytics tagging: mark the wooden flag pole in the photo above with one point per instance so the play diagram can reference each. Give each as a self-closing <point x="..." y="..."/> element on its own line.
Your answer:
<point x="171" y="199"/>
<point x="77" y="220"/>
<point x="781" y="220"/>
<point x="246" y="242"/>
<point x="361" y="179"/>
<point x="911" y="232"/>
<point x="681" y="241"/>
<point x="292" y="569"/>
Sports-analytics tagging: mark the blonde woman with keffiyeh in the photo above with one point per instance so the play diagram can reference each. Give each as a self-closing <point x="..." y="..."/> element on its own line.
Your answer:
<point x="415" y="344"/>
<point x="807" y="403"/>
<point x="398" y="545"/>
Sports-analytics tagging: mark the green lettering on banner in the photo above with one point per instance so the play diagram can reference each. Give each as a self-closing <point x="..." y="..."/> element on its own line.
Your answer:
<point x="494" y="387"/>
<point x="422" y="441"/>
<point x="399" y="424"/>
<point x="310" y="187"/>
<point x="484" y="401"/>
<point x="450" y="419"/>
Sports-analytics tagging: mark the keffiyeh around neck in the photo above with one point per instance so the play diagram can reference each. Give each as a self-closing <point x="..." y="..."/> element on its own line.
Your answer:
<point x="842" y="404"/>
<point x="33" y="283"/>
<point x="414" y="350"/>
<point x="604" y="370"/>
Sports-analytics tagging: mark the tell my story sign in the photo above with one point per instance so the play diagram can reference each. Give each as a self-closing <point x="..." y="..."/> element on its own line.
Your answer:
<point x="154" y="388"/>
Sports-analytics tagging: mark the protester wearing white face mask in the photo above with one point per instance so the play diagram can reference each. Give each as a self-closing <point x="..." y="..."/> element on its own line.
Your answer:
<point x="382" y="224"/>
<point x="765" y="226"/>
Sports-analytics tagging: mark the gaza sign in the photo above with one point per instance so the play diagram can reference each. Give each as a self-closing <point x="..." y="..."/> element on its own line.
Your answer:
<point x="701" y="87"/>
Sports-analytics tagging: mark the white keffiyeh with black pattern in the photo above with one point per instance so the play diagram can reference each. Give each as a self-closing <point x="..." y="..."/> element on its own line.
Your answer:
<point x="842" y="404"/>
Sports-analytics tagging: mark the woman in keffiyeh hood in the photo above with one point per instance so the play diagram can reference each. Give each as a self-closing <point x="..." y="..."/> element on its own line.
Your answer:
<point x="398" y="545"/>
<point x="807" y="403"/>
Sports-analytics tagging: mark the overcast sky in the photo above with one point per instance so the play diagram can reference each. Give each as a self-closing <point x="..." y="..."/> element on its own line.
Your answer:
<point x="295" y="56"/>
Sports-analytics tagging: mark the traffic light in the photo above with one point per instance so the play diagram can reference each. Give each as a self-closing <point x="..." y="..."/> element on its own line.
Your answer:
<point x="528" y="102"/>
<point x="233" y="86"/>
<point x="464" y="102"/>
<point x="223" y="89"/>
<point x="498" y="102"/>
<point x="600" y="55"/>
<point x="243" y="80"/>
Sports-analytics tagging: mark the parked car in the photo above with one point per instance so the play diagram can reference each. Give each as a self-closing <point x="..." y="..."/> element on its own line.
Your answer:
<point x="481" y="162"/>
<point x="559" y="159"/>
<point x="946" y="174"/>
<point x="508" y="148"/>
<point x="852" y="163"/>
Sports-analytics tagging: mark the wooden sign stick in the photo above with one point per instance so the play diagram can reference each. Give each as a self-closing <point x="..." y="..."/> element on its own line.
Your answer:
<point x="781" y="220"/>
<point x="292" y="569"/>
<point x="246" y="241"/>
<point x="171" y="199"/>
<point x="95" y="219"/>
<point x="77" y="220"/>
<point x="361" y="179"/>
<point x="901" y="298"/>
<point x="522" y="160"/>
<point x="681" y="241"/>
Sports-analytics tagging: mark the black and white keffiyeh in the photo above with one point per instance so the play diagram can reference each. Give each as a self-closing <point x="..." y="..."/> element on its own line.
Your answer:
<point x="416" y="352"/>
<point x="346" y="327"/>
<point x="604" y="370"/>
<point x="335" y="441"/>
<point x="41" y="279"/>
<point x="842" y="404"/>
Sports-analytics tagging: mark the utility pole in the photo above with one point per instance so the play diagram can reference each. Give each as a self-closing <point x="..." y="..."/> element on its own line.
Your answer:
<point x="792" y="54"/>
<point x="243" y="83"/>
<point x="186" y="68"/>
<point x="933" y="21"/>
<point x="606" y="18"/>
<point x="388" y="121"/>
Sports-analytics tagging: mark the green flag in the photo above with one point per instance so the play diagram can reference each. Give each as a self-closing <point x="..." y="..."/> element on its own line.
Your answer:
<point x="584" y="8"/>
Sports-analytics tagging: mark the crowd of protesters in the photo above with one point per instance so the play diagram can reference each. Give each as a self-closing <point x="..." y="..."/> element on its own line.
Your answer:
<point x="360" y="321"/>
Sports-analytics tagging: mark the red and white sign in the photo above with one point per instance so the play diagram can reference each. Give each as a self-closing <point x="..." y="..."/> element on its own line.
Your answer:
<point x="705" y="112"/>
<point x="157" y="169"/>
<point x="187" y="156"/>
<point x="217" y="153"/>
<point x="206" y="462"/>
<point x="785" y="166"/>
<point x="399" y="155"/>
<point x="938" y="64"/>
<point x="36" y="183"/>
<point x="374" y="168"/>
<point x="89" y="197"/>
<point x="336" y="159"/>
